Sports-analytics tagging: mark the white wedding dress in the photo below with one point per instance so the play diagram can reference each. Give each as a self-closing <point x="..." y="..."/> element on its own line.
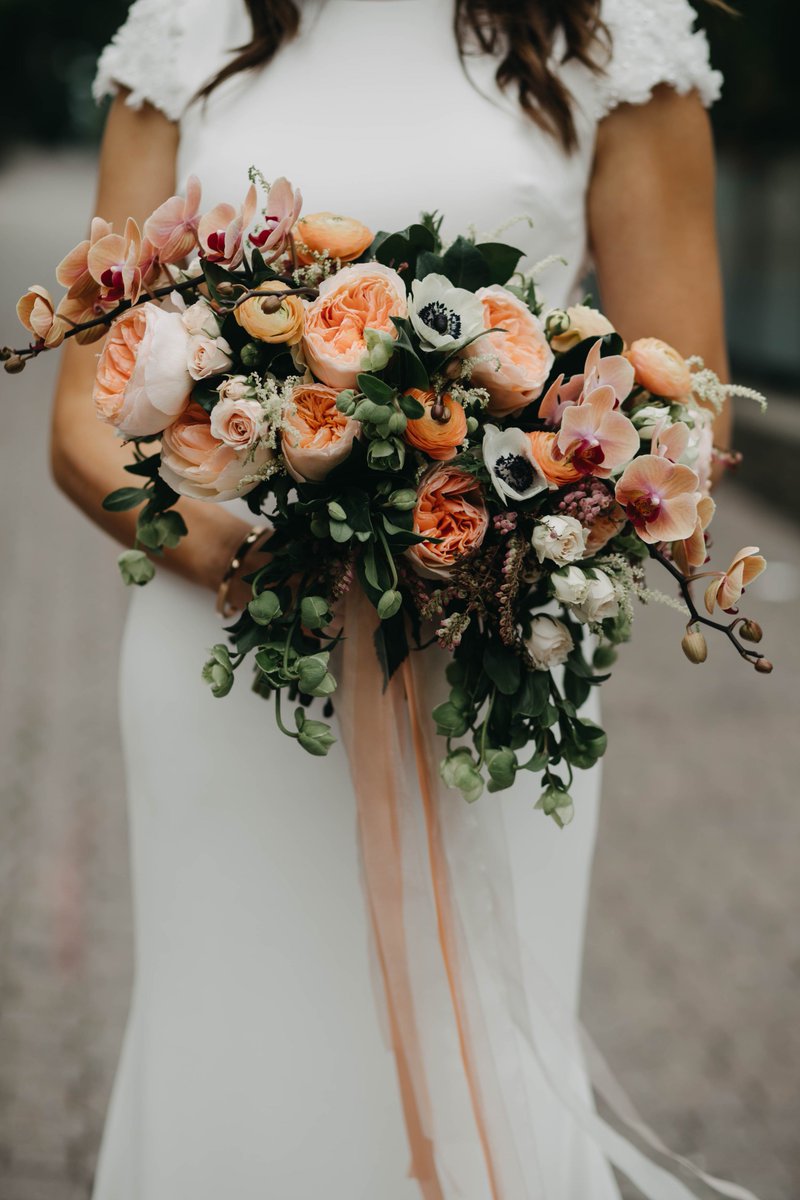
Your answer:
<point x="255" y="1064"/>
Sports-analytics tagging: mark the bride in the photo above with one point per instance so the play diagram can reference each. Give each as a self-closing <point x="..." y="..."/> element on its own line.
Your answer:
<point x="257" y="1057"/>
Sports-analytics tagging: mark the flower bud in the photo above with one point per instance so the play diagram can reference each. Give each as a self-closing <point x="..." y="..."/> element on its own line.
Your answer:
<point x="397" y="423"/>
<point x="751" y="631"/>
<point x="472" y="424"/>
<point x="694" y="645"/>
<point x="270" y="303"/>
<point x="225" y="288"/>
<point x="335" y="511"/>
<point x="389" y="604"/>
<point x="346" y="402"/>
<point x="557" y="322"/>
<point x="405" y="499"/>
<point x="5" y="353"/>
<point x="764" y="666"/>
<point x="14" y="364"/>
<point x="218" y="671"/>
<point x="251" y="355"/>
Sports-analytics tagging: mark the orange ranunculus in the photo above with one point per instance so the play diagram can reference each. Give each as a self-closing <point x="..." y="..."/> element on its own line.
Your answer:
<point x="451" y="508"/>
<point x="726" y="590"/>
<point x="660" y="369"/>
<point x="266" y="323"/>
<point x="513" y="365"/>
<point x="316" y="436"/>
<point x="558" y="473"/>
<point x="344" y="238"/>
<point x="437" y="439"/>
<point x="357" y="298"/>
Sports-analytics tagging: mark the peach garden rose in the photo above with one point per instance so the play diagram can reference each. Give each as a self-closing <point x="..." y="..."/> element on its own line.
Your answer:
<point x="451" y="508"/>
<point x="513" y="365"/>
<point x="196" y="463"/>
<point x="357" y="298"/>
<point x="316" y="436"/>
<point x="143" y="381"/>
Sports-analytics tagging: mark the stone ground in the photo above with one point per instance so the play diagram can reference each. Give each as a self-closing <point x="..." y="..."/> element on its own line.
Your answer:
<point x="694" y="953"/>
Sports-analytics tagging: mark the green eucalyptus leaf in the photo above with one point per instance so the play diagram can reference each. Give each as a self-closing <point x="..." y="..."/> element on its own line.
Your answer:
<point x="124" y="498"/>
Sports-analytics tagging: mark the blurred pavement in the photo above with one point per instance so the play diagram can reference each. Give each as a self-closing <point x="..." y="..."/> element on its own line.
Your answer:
<point x="694" y="953"/>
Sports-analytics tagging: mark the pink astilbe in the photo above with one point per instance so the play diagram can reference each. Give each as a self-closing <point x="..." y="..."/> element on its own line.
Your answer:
<point x="505" y="523"/>
<point x="614" y="371"/>
<point x="284" y="204"/>
<point x="660" y="498"/>
<point x="595" y="438"/>
<point x="172" y="228"/>
<point x="726" y="590"/>
<point x="221" y="230"/>
<point x="587" y="501"/>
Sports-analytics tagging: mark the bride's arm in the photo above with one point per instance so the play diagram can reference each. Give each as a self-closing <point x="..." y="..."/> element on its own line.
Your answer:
<point x="137" y="172"/>
<point x="653" y="229"/>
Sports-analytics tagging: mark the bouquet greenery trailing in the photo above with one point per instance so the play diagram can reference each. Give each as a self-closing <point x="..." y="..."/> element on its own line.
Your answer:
<point x="416" y="424"/>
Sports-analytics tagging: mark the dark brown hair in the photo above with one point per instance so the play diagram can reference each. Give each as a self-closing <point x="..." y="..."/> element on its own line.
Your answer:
<point x="520" y="33"/>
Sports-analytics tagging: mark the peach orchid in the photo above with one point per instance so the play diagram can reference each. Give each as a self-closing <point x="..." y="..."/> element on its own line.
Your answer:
<point x="692" y="552"/>
<point x="284" y="204"/>
<point x="595" y="438"/>
<point x="36" y="312"/>
<point x="726" y="589"/>
<point x="172" y="228"/>
<point x="613" y="371"/>
<point x="221" y="230"/>
<point x="73" y="270"/>
<point x="114" y="264"/>
<point x="660" y="498"/>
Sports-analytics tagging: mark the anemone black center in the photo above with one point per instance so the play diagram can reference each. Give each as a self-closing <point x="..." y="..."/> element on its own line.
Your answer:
<point x="441" y="319"/>
<point x="516" y="471"/>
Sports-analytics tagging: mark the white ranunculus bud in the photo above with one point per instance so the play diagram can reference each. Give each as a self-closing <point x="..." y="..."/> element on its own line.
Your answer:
<point x="550" y="642"/>
<point x="561" y="539"/>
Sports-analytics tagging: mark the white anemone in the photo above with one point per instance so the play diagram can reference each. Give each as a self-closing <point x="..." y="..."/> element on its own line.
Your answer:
<point x="509" y="458"/>
<point x="443" y="315"/>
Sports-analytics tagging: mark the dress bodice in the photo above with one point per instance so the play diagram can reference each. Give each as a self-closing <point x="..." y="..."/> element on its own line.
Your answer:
<point x="371" y="112"/>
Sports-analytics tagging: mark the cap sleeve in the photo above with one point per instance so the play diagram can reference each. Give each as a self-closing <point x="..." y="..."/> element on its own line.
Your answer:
<point x="654" y="42"/>
<point x="144" y="56"/>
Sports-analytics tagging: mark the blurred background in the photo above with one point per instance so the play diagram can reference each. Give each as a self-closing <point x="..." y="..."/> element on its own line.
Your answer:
<point x="694" y="953"/>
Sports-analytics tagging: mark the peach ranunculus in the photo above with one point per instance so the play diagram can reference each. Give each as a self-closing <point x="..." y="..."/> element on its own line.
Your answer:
<point x="726" y="590"/>
<point x="660" y="498"/>
<point x="584" y="322"/>
<point x="513" y="365"/>
<point x="316" y="437"/>
<point x="344" y="238"/>
<point x="143" y="380"/>
<point x="660" y="369"/>
<point x="450" y="507"/>
<point x="557" y="472"/>
<point x="271" y="317"/>
<point x="37" y="314"/>
<point x="197" y="464"/>
<point x="436" y="438"/>
<point x="596" y="438"/>
<point x="692" y="552"/>
<point x="172" y="228"/>
<point x="357" y="298"/>
<point x="220" y="231"/>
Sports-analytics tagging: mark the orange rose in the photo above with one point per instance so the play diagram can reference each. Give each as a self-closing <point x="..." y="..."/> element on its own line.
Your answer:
<point x="357" y="298"/>
<point x="450" y="507"/>
<point x="342" y="237"/>
<point x="316" y="436"/>
<point x="437" y="439"/>
<point x="557" y="473"/>
<point x="513" y="365"/>
<point x="660" y="369"/>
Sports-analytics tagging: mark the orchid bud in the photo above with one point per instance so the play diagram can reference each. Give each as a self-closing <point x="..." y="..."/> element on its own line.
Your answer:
<point x="5" y="353"/>
<point x="751" y="631"/>
<point x="14" y="364"/>
<point x="270" y="303"/>
<point x="694" y="645"/>
<point x="764" y="666"/>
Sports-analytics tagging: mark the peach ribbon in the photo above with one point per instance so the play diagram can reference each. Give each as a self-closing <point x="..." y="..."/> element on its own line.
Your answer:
<point x="471" y="1014"/>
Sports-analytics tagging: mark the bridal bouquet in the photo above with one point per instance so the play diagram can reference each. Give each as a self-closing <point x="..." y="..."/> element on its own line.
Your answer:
<point x="417" y="424"/>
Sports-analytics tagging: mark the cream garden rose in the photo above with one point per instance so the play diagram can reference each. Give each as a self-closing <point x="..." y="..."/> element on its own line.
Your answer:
<point x="143" y="381"/>
<point x="591" y="598"/>
<point x="584" y="322"/>
<point x="237" y="422"/>
<point x="208" y="356"/>
<point x="560" y="539"/>
<point x="549" y="643"/>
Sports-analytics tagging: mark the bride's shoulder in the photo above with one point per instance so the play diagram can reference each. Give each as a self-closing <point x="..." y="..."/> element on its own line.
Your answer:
<point x="653" y="42"/>
<point x="166" y="49"/>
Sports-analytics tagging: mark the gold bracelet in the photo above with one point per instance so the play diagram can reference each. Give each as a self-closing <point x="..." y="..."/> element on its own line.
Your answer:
<point x="223" y="608"/>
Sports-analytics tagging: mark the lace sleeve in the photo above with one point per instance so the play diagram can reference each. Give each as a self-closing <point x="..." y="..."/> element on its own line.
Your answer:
<point x="653" y="42"/>
<point x="144" y="57"/>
